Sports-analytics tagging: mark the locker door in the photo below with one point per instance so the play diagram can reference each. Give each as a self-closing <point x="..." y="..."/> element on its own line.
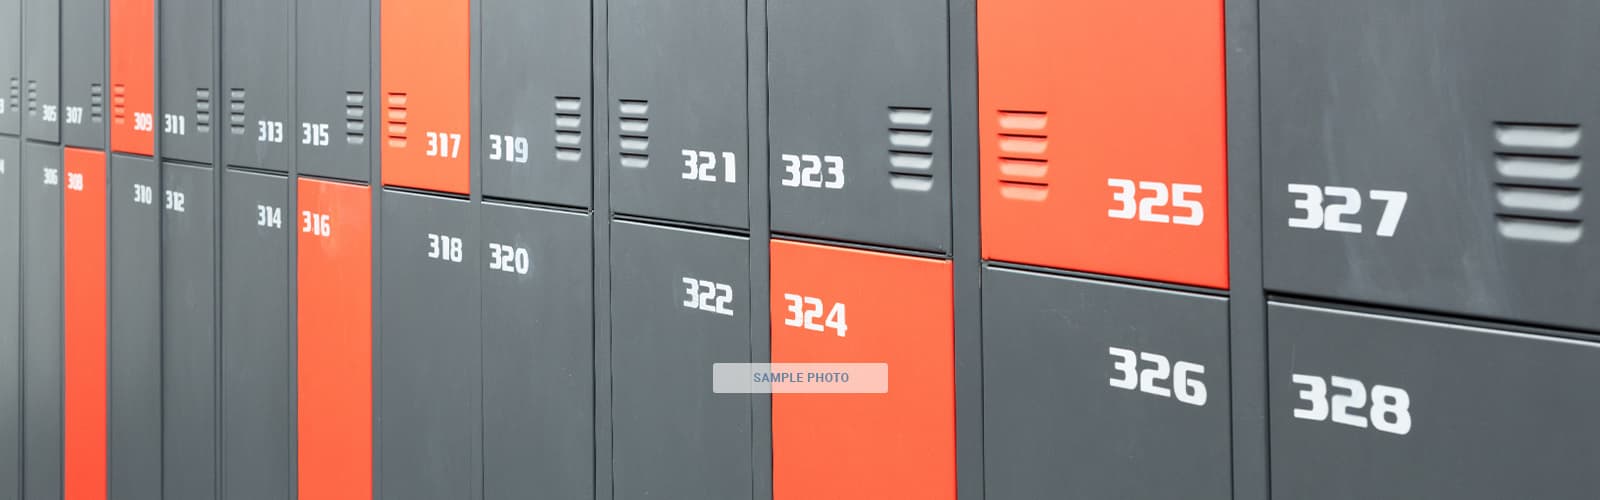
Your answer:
<point x="255" y="71"/>
<point x="1379" y="187"/>
<point x="430" y="394"/>
<point x="255" y="336"/>
<point x="10" y="317"/>
<point x="133" y="66"/>
<point x="1068" y="411"/>
<point x="859" y="123"/>
<point x="671" y="436"/>
<point x="538" y="348"/>
<point x="188" y="66"/>
<point x="41" y="69"/>
<point x="135" y="446"/>
<point x="84" y="338"/>
<point x="426" y="78"/>
<point x="1369" y="406"/>
<point x="11" y="67"/>
<point x="189" y="337"/>
<point x="836" y="305"/>
<point x="536" y="116"/>
<point x="680" y="135"/>
<point x="83" y="73"/>
<point x="41" y="321"/>
<point x="334" y="343"/>
<point x="333" y="81"/>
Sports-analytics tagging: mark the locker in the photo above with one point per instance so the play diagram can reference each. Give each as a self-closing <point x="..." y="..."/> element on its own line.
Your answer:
<point x="41" y="348"/>
<point x="133" y="67"/>
<point x="84" y="338"/>
<point x="1135" y="155"/>
<point x="41" y="69"/>
<point x="429" y="396"/>
<point x="255" y="337"/>
<point x="1068" y="412"/>
<point x="538" y="354"/>
<point x="425" y="48"/>
<point x="334" y="343"/>
<point x="11" y="67"/>
<point x="256" y="69"/>
<point x="83" y="74"/>
<point x="333" y="82"/>
<point x="1371" y="406"/>
<point x="837" y="305"/>
<point x="135" y="351"/>
<point x="671" y="436"/>
<point x="188" y="77"/>
<point x="1381" y="188"/>
<point x="536" y="100"/>
<point x="189" y="337"/>
<point x="10" y="318"/>
<point x="858" y="95"/>
<point x="679" y="135"/>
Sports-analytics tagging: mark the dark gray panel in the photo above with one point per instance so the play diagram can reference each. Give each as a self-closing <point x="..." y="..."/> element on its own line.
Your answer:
<point x="672" y="437"/>
<point x="1492" y="414"/>
<point x="1485" y="141"/>
<point x="867" y="82"/>
<point x="83" y="73"/>
<point x="538" y="355"/>
<point x="187" y="67"/>
<point x="41" y="69"/>
<point x="677" y="84"/>
<point x="41" y="321"/>
<point x="332" y="81"/>
<point x="430" y="400"/>
<point x="256" y="76"/>
<point x="189" y="337"/>
<point x="135" y="330"/>
<point x="11" y="67"/>
<point x="255" y="425"/>
<point x="1061" y="418"/>
<point x="535" y="88"/>
<point x="10" y="320"/>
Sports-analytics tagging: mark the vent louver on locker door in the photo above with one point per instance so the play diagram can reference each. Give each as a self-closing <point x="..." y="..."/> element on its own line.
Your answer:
<point x="97" y="100"/>
<point x="1536" y="182"/>
<point x="202" y="110"/>
<point x="355" y="117"/>
<point x="236" y="111"/>
<point x="911" y="148"/>
<point x="1023" y="143"/>
<point x="119" y="104"/>
<point x="395" y="119"/>
<point x="16" y="93"/>
<point x="633" y="144"/>
<point x="569" y="129"/>
<point x="33" y="98"/>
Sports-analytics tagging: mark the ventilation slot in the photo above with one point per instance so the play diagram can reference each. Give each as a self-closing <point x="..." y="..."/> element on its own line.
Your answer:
<point x="395" y="119"/>
<point x="633" y="143"/>
<point x="1022" y="168"/>
<point x="202" y="110"/>
<point x="355" y="117"/>
<point x="33" y="98"/>
<point x="236" y="111"/>
<point x="911" y="149"/>
<point x="1537" y="194"/>
<point x="97" y="102"/>
<point x="16" y="93"/>
<point x="569" y="129"/>
<point x="119" y="104"/>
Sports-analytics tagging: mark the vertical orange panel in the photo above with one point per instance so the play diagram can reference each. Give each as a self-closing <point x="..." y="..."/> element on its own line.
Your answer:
<point x="133" y="81"/>
<point x="1103" y="131"/>
<point x="426" y="47"/>
<point x="85" y="345"/>
<point x="895" y="310"/>
<point x="335" y="340"/>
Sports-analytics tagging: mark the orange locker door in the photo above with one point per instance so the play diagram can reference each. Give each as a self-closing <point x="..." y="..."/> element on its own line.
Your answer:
<point x="426" y="46"/>
<point x="335" y="340"/>
<point x="85" y="258"/>
<point x="133" y="81"/>
<point x="1103" y="137"/>
<point x="837" y="305"/>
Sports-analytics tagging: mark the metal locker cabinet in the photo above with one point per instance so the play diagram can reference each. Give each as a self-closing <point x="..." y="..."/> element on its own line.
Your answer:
<point x="1134" y="155"/>
<point x="538" y="354"/>
<point x="671" y="436"/>
<point x="859" y="122"/>
<point x="536" y="105"/>
<point x="255" y="364"/>
<point x="41" y="69"/>
<point x="10" y="318"/>
<point x="84" y="340"/>
<point x="11" y="67"/>
<point x="188" y="60"/>
<point x="135" y="352"/>
<point x="1445" y="411"/>
<point x="334" y="344"/>
<point x="133" y="78"/>
<point x="429" y="386"/>
<point x="1067" y="410"/>
<point x="41" y="320"/>
<point x="333" y="82"/>
<point x="425" y="62"/>
<point x="256" y="47"/>
<point x="83" y="73"/>
<point x="1381" y="188"/>
<point x="189" y="337"/>
<point x="890" y="309"/>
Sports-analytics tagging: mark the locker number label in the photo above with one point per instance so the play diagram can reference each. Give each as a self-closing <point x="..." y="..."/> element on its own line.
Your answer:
<point x="49" y="111"/>
<point x="144" y="122"/>
<point x="314" y="134"/>
<point x="316" y="224"/>
<point x="269" y="216"/>
<point x="444" y="247"/>
<point x="174" y="124"/>
<point x="2" y="105"/>
<point x="174" y="200"/>
<point x="1158" y="370"/>
<point x="74" y="115"/>
<point x="144" y="195"/>
<point x="1138" y="201"/>
<point x="444" y="145"/>
<point x="52" y="177"/>
<point x="2" y="162"/>
<point x="708" y="296"/>
<point x="269" y="131"/>
<point x="1325" y="207"/>
<point x="1389" y="411"/>
<point x="508" y="258"/>
<point x="813" y="171"/>
<point x="508" y="148"/>
<point x="702" y="166"/>
<point x="805" y="311"/>
<point x="74" y="181"/>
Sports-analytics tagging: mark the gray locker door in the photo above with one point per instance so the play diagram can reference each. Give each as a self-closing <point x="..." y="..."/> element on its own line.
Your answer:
<point x="538" y="354"/>
<point x="41" y="69"/>
<point x="430" y="404"/>
<point x="1445" y="411"/>
<point x="11" y="67"/>
<point x="678" y="87"/>
<point x="189" y="337"/>
<point x="135" y="420"/>
<point x="187" y="67"/>
<point x="1067" y="412"/>
<point x="10" y="320"/>
<point x="536" y="102"/>
<point x="256" y="47"/>
<point x="256" y="364"/>
<point x="859" y="121"/>
<point x="672" y="437"/>
<point x="1486" y="145"/>
<point x="333" y="77"/>
<point x="83" y="73"/>
<point x="41" y="321"/>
